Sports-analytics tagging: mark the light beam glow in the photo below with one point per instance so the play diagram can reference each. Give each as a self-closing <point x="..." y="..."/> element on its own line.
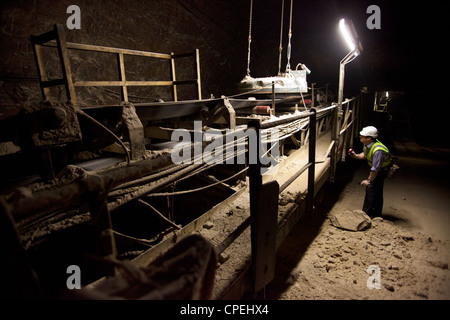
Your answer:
<point x="347" y="35"/>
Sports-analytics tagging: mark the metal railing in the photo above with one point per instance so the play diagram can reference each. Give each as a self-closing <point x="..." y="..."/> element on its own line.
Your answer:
<point x="263" y="219"/>
<point x="56" y="38"/>
<point x="264" y="196"/>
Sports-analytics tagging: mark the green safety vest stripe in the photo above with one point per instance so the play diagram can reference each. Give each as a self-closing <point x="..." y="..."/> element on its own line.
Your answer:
<point x="375" y="147"/>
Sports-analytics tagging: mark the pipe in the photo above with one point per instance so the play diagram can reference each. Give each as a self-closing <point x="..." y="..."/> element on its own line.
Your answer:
<point x="265" y="110"/>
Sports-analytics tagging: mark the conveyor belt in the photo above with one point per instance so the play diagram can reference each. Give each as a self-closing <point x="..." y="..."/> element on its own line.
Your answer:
<point x="173" y="109"/>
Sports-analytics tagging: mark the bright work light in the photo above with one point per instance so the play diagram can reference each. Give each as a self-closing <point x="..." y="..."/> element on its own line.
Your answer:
<point x="346" y="33"/>
<point x="351" y="38"/>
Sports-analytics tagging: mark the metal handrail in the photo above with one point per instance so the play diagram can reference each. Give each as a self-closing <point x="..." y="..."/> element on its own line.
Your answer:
<point x="48" y="40"/>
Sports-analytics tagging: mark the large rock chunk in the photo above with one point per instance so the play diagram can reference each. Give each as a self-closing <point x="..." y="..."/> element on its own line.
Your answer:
<point x="355" y="220"/>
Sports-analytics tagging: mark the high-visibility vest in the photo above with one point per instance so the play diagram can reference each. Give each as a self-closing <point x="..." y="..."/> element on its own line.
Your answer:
<point x="375" y="147"/>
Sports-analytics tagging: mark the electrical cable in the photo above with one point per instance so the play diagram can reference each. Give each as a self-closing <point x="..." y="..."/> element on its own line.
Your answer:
<point x="249" y="37"/>
<point x="163" y="194"/>
<point x="84" y="114"/>
<point x="288" y="65"/>
<point x="281" y="38"/>
<point x="160" y="215"/>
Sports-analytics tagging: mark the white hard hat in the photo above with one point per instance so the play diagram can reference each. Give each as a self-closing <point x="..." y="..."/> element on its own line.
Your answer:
<point x="369" y="131"/>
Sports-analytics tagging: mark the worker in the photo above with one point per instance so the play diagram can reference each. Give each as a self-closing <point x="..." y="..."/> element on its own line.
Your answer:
<point x="380" y="160"/>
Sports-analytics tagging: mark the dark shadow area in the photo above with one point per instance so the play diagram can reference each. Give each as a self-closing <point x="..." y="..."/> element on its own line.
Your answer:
<point x="395" y="219"/>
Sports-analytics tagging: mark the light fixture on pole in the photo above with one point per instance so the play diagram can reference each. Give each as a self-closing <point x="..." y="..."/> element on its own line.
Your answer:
<point x="351" y="38"/>
<point x="344" y="27"/>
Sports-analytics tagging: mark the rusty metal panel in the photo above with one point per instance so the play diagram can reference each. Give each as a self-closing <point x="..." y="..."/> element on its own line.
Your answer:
<point x="135" y="130"/>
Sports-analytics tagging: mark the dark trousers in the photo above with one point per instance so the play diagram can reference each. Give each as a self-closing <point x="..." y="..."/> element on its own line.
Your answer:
<point x="373" y="201"/>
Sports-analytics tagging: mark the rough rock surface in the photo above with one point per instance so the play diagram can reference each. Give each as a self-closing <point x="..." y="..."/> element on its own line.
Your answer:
<point x="353" y="220"/>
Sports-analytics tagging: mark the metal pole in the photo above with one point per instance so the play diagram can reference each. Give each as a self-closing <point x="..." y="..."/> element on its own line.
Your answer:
<point x="335" y="129"/>
<point x="255" y="179"/>
<point x="311" y="160"/>
<point x="273" y="97"/>
<point x="352" y="135"/>
<point x="341" y="84"/>
<point x="333" y="159"/>
<point x="264" y="215"/>
<point x="255" y="169"/>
